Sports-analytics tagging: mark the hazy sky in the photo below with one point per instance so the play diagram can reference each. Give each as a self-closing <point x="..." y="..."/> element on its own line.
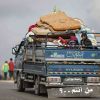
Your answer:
<point x="17" y="15"/>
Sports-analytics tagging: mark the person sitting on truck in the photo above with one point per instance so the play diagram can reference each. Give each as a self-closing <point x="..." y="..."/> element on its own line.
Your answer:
<point x="73" y="42"/>
<point x="85" y="42"/>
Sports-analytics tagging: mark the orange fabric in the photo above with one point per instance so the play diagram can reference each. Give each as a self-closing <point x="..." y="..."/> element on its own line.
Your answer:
<point x="59" y="21"/>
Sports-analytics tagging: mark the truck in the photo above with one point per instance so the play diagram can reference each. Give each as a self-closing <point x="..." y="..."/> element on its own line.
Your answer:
<point x="58" y="71"/>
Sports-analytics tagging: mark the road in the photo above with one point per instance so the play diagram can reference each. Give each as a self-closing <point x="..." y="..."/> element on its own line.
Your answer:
<point x="8" y="91"/>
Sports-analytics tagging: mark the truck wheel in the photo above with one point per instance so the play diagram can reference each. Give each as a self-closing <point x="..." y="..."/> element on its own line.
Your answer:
<point x="20" y="84"/>
<point x="37" y="87"/>
<point x="43" y="89"/>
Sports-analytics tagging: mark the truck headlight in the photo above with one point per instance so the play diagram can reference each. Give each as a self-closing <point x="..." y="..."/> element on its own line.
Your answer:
<point x="53" y="79"/>
<point x="93" y="79"/>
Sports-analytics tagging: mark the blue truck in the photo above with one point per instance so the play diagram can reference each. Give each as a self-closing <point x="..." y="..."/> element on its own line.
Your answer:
<point x="58" y="71"/>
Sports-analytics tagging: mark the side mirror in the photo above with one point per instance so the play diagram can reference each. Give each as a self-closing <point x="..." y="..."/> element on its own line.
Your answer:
<point x="15" y="49"/>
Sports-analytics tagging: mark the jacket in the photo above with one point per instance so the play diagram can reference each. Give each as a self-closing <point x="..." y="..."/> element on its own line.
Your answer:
<point x="86" y="43"/>
<point x="5" y="67"/>
<point x="11" y="66"/>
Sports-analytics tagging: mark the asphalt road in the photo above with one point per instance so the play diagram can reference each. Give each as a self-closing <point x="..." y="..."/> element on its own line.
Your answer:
<point x="8" y="91"/>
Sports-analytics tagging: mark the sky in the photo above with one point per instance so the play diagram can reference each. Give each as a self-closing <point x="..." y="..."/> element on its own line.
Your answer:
<point x="17" y="15"/>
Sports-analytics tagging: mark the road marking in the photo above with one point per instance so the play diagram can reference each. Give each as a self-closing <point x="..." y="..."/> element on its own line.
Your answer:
<point x="7" y="81"/>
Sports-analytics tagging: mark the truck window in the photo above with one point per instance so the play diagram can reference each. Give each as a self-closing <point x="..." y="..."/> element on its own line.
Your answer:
<point x="20" y="48"/>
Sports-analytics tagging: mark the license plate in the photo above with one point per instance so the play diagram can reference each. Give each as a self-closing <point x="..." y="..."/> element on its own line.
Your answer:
<point x="76" y="90"/>
<point x="75" y="79"/>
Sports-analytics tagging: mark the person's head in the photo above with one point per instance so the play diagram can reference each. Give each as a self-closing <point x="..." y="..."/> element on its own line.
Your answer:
<point x="11" y="59"/>
<point x="6" y="61"/>
<point x="84" y="35"/>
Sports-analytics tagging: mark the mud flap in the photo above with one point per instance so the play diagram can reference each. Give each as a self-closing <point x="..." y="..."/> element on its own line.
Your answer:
<point x="74" y="91"/>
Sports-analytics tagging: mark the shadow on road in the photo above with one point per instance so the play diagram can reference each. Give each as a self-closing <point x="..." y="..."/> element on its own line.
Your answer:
<point x="30" y="92"/>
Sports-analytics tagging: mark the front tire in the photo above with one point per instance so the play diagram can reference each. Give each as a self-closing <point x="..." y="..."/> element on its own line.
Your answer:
<point x="20" y="84"/>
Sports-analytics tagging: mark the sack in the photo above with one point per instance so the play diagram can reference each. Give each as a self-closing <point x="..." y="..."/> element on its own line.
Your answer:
<point x="59" y="21"/>
<point x="41" y="24"/>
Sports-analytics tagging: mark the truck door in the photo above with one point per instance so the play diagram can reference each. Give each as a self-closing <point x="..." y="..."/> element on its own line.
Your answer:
<point x="19" y="57"/>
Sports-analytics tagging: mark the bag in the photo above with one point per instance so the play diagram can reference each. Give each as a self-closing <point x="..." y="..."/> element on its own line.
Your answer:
<point x="40" y="31"/>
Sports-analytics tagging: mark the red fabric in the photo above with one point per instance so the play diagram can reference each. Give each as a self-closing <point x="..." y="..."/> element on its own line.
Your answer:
<point x="73" y="38"/>
<point x="11" y="66"/>
<point x="62" y="40"/>
<point x="30" y="27"/>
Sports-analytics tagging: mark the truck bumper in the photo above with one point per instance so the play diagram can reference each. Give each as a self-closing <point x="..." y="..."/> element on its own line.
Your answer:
<point x="75" y="91"/>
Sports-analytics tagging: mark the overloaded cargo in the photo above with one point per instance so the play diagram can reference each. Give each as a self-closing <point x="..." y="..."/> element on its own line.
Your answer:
<point x="56" y="21"/>
<point x="59" y="21"/>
